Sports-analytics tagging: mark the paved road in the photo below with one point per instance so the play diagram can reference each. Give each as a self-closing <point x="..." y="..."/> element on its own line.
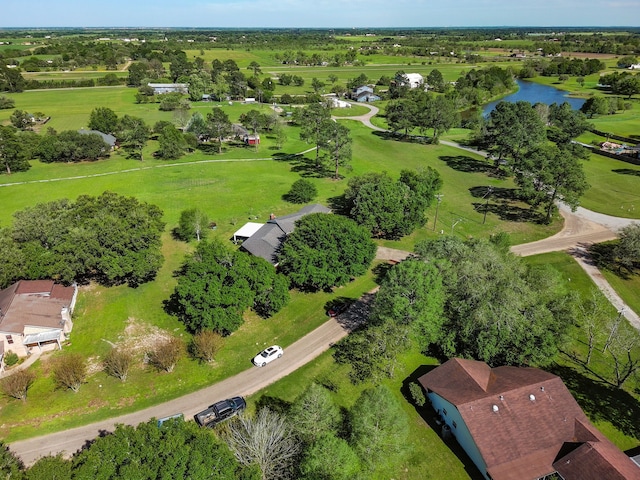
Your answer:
<point x="246" y="383"/>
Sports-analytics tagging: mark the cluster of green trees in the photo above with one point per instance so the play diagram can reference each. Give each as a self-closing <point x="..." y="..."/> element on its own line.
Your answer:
<point x="600" y="105"/>
<point x="625" y="83"/>
<point x="71" y="146"/>
<point x="111" y="238"/>
<point x="472" y="299"/>
<point x="216" y="285"/>
<point x="391" y="208"/>
<point x="477" y="87"/>
<point x="517" y="135"/>
<point x="350" y="445"/>
<point x="325" y="251"/>
<point x="332" y="139"/>
<point x="424" y="111"/>
<point x="575" y="67"/>
<point x="176" y="449"/>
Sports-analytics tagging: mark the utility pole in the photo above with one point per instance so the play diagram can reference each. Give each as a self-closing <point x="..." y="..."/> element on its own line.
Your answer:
<point x="486" y="205"/>
<point x="439" y="199"/>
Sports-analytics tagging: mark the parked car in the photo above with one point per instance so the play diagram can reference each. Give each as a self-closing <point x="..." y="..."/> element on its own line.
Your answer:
<point x="338" y="309"/>
<point x="267" y="355"/>
<point x="220" y="411"/>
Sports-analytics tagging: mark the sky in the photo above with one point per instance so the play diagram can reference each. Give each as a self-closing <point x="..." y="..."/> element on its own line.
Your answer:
<point x="317" y="13"/>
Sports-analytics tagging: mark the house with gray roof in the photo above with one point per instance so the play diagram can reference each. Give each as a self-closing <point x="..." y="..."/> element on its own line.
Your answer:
<point x="107" y="138"/>
<point x="266" y="241"/>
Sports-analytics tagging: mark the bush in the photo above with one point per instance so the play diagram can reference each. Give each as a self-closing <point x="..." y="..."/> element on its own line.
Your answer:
<point x="302" y="191"/>
<point x="16" y="385"/>
<point x="10" y="358"/>
<point x="166" y="354"/>
<point x="117" y="363"/>
<point x="70" y="371"/>
<point x="7" y="103"/>
<point x="417" y="394"/>
<point x="205" y="345"/>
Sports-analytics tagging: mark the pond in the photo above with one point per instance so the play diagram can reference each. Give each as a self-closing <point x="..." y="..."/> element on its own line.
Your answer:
<point x="536" y="93"/>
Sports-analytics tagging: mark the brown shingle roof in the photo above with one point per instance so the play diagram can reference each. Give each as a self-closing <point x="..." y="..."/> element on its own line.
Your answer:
<point x="519" y="418"/>
<point x="34" y="286"/>
<point x="597" y="461"/>
<point x="35" y="303"/>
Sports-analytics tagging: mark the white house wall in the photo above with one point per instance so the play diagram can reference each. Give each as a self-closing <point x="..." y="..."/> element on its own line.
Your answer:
<point x="460" y="431"/>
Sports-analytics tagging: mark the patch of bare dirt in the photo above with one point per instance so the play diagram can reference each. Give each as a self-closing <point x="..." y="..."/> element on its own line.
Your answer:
<point x="139" y="337"/>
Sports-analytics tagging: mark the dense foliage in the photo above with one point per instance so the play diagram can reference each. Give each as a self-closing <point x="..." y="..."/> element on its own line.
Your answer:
<point x="110" y="238"/>
<point x="498" y="309"/>
<point x="302" y="191"/>
<point x="326" y="251"/>
<point x="71" y="146"/>
<point x="176" y="449"/>
<point x="388" y="208"/>
<point x="216" y="285"/>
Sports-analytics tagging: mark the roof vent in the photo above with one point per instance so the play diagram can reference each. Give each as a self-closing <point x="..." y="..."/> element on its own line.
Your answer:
<point x="495" y="408"/>
<point x="501" y="397"/>
<point x="532" y="397"/>
<point x="542" y="389"/>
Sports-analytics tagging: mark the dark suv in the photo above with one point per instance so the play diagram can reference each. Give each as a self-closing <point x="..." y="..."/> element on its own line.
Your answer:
<point x="220" y="411"/>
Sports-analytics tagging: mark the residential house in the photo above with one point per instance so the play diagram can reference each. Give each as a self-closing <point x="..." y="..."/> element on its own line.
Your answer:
<point x="266" y="241"/>
<point x="364" y="93"/>
<point x="108" y="139"/>
<point x="332" y="100"/>
<point x="160" y="88"/>
<point x="414" y="80"/>
<point x="521" y="424"/>
<point x="35" y="315"/>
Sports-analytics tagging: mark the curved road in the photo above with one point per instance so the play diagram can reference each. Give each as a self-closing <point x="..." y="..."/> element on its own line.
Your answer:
<point x="581" y="229"/>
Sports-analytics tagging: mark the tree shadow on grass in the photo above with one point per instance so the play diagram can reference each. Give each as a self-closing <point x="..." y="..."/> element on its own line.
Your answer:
<point x="338" y="204"/>
<point x="306" y="167"/>
<point x="627" y="171"/>
<point x="274" y="404"/>
<point x="463" y="163"/>
<point x="502" y="204"/>
<point x="433" y="422"/>
<point x="401" y="137"/>
<point x="601" y="401"/>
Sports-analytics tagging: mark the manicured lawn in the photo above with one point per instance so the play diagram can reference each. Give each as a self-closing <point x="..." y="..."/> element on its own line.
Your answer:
<point x="614" y="187"/>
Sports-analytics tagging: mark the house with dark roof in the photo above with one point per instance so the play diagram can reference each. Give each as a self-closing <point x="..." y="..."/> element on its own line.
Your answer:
<point x="521" y="424"/>
<point x="35" y="314"/>
<point x="266" y="241"/>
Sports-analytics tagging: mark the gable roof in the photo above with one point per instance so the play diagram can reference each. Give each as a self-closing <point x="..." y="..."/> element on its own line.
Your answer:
<point x="519" y="418"/>
<point x="266" y="241"/>
<point x="107" y="138"/>
<point x="36" y="303"/>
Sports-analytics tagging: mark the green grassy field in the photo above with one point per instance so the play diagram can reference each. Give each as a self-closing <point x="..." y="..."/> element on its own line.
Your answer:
<point x="615" y="187"/>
